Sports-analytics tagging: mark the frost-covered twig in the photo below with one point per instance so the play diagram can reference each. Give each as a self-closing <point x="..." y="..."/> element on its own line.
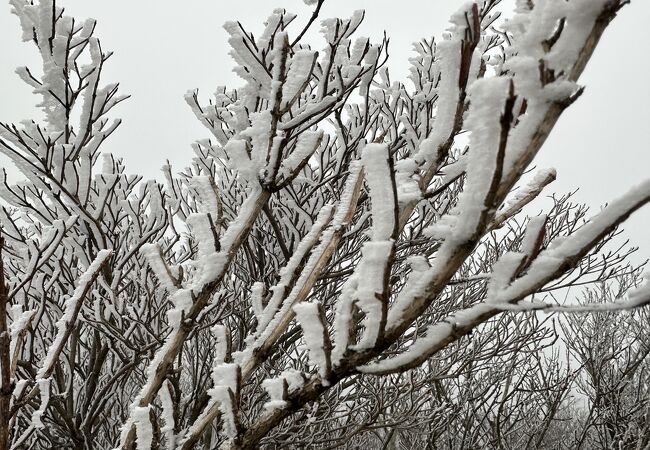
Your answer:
<point x="66" y="324"/>
<point x="546" y="266"/>
<point x="331" y="206"/>
<point x="276" y="319"/>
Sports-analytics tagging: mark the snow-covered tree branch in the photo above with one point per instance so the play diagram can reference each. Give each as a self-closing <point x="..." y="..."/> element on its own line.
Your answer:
<point x="341" y="246"/>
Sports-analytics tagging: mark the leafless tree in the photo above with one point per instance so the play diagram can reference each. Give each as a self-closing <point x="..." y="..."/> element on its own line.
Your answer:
<point x="337" y="231"/>
<point x="613" y="351"/>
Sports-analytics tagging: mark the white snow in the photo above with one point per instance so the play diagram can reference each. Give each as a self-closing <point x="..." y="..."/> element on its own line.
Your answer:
<point x="226" y="375"/>
<point x="167" y="415"/>
<point x="341" y="218"/>
<point x="240" y="160"/>
<point x="504" y="270"/>
<point x="226" y="386"/>
<point x="276" y="388"/>
<point x="153" y="255"/>
<point x="223" y="397"/>
<point x="280" y="303"/>
<point x="559" y="252"/>
<point x="44" y="390"/>
<point x="257" y="294"/>
<point x="534" y="228"/>
<point x="71" y="311"/>
<point x="533" y="186"/>
<point x="295" y="379"/>
<point x="343" y="319"/>
<point x="375" y="159"/>
<point x="204" y="234"/>
<point x="260" y="137"/>
<point x="487" y="98"/>
<point x="371" y="277"/>
<point x="306" y="144"/>
<point x="20" y="320"/>
<point x="314" y="333"/>
<point x="208" y="198"/>
<point x="298" y="75"/>
<point x="426" y="345"/>
<point x="220" y="333"/>
<point x="143" y="430"/>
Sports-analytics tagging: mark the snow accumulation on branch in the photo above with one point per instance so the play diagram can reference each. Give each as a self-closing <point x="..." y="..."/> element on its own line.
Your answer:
<point x="504" y="292"/>
<point x="143" y="429"/>
<point x="64" y="326"/>
<point x="329" y="223"/>
<point x="367" y="287"/>
<point x="338" y="221"/>
<point x="212" y="267"/>
<point x="307" y="143"/>
<point x="227" y="384"/>
<point x="280" y="303"/>
<point x="508" y="267"/>
<point x="278" y="313"/>
<point x="435" y="338"/>
<point x="167" y="414"/>
<point x="311" y="318"/>
<point x="464" y="221"/>
<point x="381" y="186"/>
<point x="154" y="257"/>
<point x="563" y="253"/>
<point x="68" y="320"/>
<point x="524" y="196"/>
<point x="276" y="389"/>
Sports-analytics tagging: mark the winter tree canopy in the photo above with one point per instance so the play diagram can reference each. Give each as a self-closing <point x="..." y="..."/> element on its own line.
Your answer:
<point x="343" y="262"/>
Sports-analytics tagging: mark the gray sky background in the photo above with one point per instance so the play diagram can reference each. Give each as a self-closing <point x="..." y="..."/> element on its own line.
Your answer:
<point x="163" y="48"/>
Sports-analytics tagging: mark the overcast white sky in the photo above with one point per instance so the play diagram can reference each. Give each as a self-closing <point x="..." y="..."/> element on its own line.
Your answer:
<point x="163" y="48"/>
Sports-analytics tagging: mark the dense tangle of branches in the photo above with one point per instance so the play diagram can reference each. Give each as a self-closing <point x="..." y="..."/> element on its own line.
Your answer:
<point x="343" y="262"/>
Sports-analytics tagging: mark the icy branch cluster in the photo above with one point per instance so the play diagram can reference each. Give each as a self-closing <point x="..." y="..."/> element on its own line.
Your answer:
<point x="316" y="239"/>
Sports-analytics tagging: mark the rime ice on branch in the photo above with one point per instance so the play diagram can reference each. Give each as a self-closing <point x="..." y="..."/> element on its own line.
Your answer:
<point x="335" y="230"/>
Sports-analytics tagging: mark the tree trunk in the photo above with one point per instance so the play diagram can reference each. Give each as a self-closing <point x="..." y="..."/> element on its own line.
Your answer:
<point x="6" y="387"/>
